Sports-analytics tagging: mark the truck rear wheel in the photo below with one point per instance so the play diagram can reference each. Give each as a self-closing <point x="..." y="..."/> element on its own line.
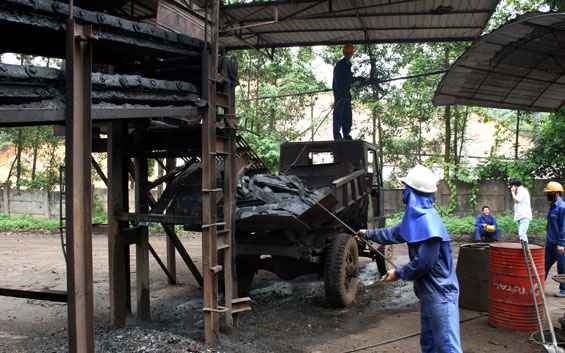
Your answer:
<point x="341" y="270"/>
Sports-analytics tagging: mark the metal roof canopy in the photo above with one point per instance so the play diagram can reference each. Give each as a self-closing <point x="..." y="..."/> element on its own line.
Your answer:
<point x="520" y="66"/>
<point x="286" y="23"/>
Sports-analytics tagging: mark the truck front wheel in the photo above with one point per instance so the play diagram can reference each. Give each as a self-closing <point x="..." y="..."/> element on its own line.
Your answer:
<point x="341" y="270"/>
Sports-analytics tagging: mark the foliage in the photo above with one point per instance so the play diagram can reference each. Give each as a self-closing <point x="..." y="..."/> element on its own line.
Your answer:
<point x="99" y="217"/>
<point x="547" y="158"/>
<point x="27" y="222"/>
<point x="276" y="120"/>
<point x="466" y="225"/>
<point x="510" y="9"/>
<point x="267" y="147"/>
<point x="96" y="204"/>
<point x="37" y="143"/>
<point x="497" y="168"/>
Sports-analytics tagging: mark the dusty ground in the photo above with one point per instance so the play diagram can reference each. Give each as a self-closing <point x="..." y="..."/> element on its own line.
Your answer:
<point x="287" y="316"/>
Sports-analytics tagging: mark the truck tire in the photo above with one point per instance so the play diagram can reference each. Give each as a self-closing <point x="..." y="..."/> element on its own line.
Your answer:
<point x="382" y="265"/>
<point x="341" y="270"/>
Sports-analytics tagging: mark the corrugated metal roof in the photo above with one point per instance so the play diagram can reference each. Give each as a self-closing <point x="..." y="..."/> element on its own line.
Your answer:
<point x="520" y="66"/>
<point x="270" y="24"/>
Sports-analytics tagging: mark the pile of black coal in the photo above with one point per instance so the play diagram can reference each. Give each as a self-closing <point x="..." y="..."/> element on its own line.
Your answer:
<point x="275" y="195"/>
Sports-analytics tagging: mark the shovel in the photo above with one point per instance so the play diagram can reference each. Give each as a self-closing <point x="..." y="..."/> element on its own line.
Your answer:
<point x="530" y="264"/>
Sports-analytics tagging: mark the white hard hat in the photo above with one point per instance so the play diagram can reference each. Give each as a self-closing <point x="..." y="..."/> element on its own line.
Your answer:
<point x="421" y="179"/>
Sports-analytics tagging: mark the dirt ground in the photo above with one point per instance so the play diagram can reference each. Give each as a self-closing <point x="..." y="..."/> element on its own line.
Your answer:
<point x="287" y="316"/>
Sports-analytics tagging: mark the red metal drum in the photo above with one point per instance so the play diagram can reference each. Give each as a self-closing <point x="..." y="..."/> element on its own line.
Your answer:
<point x="510" y="298"/>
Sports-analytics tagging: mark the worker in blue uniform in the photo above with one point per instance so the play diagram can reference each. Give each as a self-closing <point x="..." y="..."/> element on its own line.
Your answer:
<point x="485" y="226"/>
<point x="555" y="240"/>
<point x="431" y="262"/>
<point x="341" y="85"/>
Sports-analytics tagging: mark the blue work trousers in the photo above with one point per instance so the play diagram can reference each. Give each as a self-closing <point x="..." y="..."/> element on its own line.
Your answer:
<point x="550" y="257"/>
<point x="440" y="328"/>
<point x="342" y="118"/>
<point x="481" y="232"/>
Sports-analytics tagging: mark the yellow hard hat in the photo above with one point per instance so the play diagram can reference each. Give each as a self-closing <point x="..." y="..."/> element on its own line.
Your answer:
<point x="553" y="186"/>
<point x="490" y="228"/>
<point x="348" y="48"/>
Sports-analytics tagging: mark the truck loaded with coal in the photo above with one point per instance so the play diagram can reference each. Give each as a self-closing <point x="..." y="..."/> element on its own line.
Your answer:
<point x="299" y="221"/>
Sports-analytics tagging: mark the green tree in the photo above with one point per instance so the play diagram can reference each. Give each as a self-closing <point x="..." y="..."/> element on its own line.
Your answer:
<point x="548" y="153"/>
<point x="276" y="120"/>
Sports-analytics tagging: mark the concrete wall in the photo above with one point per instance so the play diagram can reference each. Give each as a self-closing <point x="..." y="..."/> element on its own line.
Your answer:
<point x="44" y="203"/>
<point x="493" y="193"/>
<point x="496" y="194"/>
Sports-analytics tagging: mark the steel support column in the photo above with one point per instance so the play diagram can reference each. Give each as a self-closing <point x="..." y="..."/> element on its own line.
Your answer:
<point x="209" y="187"/>
<point x="171" y="260"/>
<point x="78" y="186"/>
<point x="229" y="218"/>
<point x="142" y="243"/>
<point x="118" y="248"/>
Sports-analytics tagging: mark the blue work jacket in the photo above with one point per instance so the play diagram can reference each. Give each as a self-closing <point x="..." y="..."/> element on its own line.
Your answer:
<point x="431" y="265"/>
<point x="342" y="80"/>
<point x="481" y="220"/>
<point x="556" y="223"/>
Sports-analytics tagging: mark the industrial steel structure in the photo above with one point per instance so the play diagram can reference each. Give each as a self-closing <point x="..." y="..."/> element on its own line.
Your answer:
<point x="155" y="94"/>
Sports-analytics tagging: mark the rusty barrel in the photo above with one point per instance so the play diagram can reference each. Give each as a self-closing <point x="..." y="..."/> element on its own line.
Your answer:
<point x="510" y="298"/>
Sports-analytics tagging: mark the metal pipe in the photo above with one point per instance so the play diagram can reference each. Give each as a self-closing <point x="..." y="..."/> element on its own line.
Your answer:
<point x="554" y="347"/>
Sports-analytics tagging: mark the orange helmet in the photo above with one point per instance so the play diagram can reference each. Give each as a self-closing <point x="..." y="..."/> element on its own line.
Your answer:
<point x="348" y="48"/>
<point x="553" y="186"/>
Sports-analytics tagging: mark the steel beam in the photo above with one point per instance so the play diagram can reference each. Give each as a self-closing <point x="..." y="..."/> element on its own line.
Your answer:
<point x="160" y="218"/>
<point x="78" y="196"/>
<point x="55" y="115"/>
<point x="49" y="295"/>
<point x="162" y="265"/>
<point x="43" y="19"/>
<point x="118" y="249"/>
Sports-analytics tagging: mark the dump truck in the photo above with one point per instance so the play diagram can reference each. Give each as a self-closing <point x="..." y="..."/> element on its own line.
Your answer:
<point x="299" y="221"/>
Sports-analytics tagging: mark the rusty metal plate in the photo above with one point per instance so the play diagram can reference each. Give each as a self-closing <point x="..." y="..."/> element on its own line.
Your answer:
<point x="316" y="215"/>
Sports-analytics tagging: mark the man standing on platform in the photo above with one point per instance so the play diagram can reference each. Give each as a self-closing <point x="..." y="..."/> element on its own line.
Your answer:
<point x="341" y="85"/>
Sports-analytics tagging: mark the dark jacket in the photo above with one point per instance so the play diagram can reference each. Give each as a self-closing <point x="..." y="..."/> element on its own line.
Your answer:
<point x="556" y="223"/>
<point x="431" y="265"/>
<point x="481" y="220"/>
<point x="342" y="80"/>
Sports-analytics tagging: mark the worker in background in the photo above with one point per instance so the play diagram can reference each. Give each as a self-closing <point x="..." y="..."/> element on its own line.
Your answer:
<point x="522" y="208"/>
<point x="555" y="241"/>
<point x="485" y="226"/>
<point x="431" y="262"/>
<point x="341" y="85"/>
